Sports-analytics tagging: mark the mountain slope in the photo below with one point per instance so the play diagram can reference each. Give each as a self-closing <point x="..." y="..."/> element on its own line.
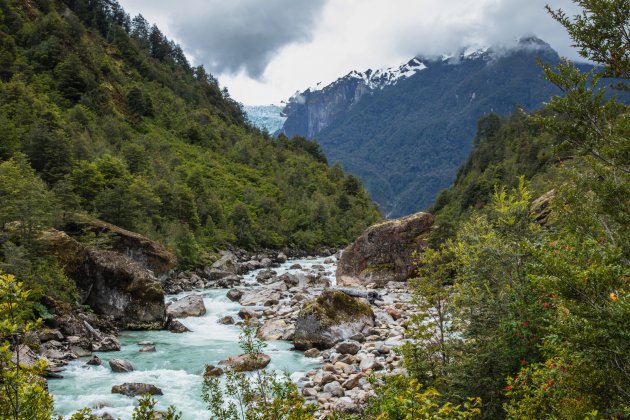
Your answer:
<point x="118" y="124"/>
<point x="406" y="140"/>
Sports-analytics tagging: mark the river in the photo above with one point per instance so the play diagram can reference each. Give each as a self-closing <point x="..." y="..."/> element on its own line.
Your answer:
<point x="178" y="363"/>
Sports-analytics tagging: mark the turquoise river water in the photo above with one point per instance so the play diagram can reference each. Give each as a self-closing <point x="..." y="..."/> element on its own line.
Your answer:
<point x="177" y="365"/>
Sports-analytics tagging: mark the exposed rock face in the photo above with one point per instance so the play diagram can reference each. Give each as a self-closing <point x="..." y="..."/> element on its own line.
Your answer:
<point x="188" y="306"/>
<point x="247" y="362"/>
<point x="148" y="253"/>
<point x="135" y="388"/>
<point x="332" y="317"/>
<point x="541" y="207"/>
<point x="384" y="251"/>
<point x="111" y="283"/>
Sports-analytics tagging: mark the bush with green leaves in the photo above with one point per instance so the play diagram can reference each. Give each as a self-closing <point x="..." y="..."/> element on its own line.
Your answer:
<point x="261" y="395"/>
<point x="24" y="393"/>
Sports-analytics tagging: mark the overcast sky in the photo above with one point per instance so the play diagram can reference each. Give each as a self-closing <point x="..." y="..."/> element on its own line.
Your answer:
<point x="265" y="50"/>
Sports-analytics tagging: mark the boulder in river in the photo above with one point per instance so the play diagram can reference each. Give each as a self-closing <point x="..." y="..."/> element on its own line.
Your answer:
<point x="94" y="361"/>
<point x="212" y="371"/>
<point x="331" y="317"/>
<point x="246" y="362"/>
<point x="191" y="305"/>
<point x="384" y="252"/>
<point x="274" y="329"/>
<point x="175" y="326"/>
<point x="120" y="365"/>
<point x="234" y="294"/>
<point x="132" y="389"/>
<point x="226" y="320"/>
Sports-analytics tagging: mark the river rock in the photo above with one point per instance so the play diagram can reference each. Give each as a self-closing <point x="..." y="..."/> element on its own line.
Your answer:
<point x="246" y="362"/>
<point x="247" y="314"/>
<point x="273" y="329"/>
<point x="94" y="361"/>
<point x="264" y="276"/>
<point x="120" y="365"/>
<point x="348" y="347"/>
<point x="259" y="295"/>
<point x="312" y="353"/>
<point x="234" y="294"/>
<point x="80" y="351"/>
<point x="384" y="252"/>
<point x="134" y="389"/>
<point x="191" y="305"/>
<point x="212" y="371"/>
<point x="335" y="389"/>
<point x="177" y="327"/>
<point x="226" y="320"/>
<point x="47" y="334"/>
<point x="291" y="280"/>
<point x="346" y="405"/>
<point x="332" y="317"/>
<point x="110" y="282"/>
<point x="369" y="362"/>
<point x="147" y="349"/>
<point x="107" y="343"/>
<point x="227" y="262"/>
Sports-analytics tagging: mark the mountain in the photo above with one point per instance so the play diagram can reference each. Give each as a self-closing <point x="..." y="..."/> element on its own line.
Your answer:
<point x="265" y="117"/>
<point x="108" y="118"/>
<point x="404" y="131"/>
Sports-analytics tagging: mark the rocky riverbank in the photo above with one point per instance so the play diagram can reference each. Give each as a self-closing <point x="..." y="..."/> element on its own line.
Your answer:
<point x="353" y="338"/>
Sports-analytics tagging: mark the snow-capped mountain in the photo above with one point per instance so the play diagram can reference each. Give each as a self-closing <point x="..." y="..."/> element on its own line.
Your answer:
<point x="378" y="79"/>
<point x="404" y="130"/>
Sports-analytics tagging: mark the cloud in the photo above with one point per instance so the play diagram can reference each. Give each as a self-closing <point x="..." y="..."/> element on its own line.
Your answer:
<point x="266" y="50"/>
<point x="243" y="35"/>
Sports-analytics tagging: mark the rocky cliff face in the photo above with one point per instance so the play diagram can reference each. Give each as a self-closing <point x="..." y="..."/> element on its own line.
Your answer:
<point x="384" y="252"/>
<point x="312" y="110"/>
<point x="112" y="283"/>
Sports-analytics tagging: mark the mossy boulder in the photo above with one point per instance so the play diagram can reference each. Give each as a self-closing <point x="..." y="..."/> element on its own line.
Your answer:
<point x="384" y="252"/>
<point x="330" y="318"/>
<point x="146" y="252"/>
<point x="110" y="283"/>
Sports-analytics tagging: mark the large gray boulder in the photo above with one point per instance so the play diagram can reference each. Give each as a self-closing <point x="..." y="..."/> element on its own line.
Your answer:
<point x="110" y="282"/>
<point x="384" y="252"/>
<point x="330" y="318"/>
<point x="191" y="305"/>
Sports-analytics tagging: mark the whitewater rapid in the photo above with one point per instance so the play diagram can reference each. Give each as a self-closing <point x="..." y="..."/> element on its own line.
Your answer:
<point x="177" y="365"/>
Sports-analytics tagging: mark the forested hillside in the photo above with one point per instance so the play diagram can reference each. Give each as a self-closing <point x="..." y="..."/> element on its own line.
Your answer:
<point x="102" y="114"/>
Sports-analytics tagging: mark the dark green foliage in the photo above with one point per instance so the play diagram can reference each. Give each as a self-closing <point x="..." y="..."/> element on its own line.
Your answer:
<point x="116" y="122"/>
<point x="505" y="148"/>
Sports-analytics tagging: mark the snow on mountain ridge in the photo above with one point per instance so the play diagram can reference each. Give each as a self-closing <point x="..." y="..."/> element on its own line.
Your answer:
<point x="381" y="78"/>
